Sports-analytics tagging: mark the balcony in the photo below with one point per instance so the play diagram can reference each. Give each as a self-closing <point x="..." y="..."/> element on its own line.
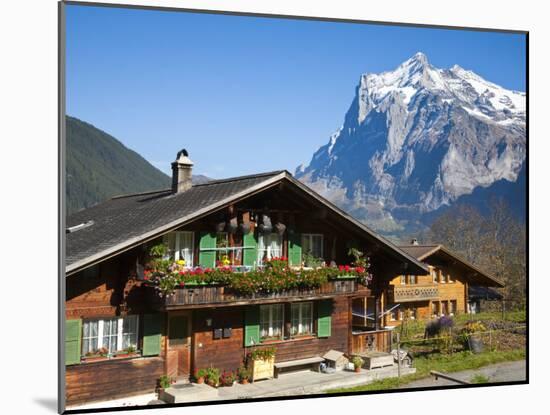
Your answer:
<point x="213" y="295"/>
<point x="410" y="293"/>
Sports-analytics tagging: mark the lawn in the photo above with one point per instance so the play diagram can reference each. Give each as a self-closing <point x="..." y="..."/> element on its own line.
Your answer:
<point x="442" y="363"/>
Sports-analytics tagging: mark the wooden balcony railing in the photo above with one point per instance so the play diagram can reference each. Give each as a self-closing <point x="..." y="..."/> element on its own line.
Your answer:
<point x="408" y="293"/>
<point x="191" y="297"/>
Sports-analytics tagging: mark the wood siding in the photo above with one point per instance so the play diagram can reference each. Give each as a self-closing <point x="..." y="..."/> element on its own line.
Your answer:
<point x="446" y="292"/>
<point x="229" y="353"/>
<point x="111" y="379"/>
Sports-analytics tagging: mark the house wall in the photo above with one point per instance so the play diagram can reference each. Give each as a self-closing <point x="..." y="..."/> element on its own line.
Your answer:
<point x="106" y="291"/>
<point x="455" y="290"/>
<point x="229" y="353"/>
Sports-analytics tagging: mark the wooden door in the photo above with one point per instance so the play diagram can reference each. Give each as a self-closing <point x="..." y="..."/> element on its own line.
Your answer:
<point x="179" y="344"/>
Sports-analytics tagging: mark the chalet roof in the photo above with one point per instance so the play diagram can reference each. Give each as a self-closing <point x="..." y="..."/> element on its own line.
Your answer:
<point x="476" y="292"/>
<point x="475" y="274"/>
<point x="123" y="222"/>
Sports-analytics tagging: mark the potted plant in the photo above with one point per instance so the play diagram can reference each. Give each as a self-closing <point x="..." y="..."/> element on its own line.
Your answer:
<point x="227" y="378"/>
<point x="99" y="354"/>
<point x="471" y="336"/>
<point x="262" y="363"/>
<point x="200" y="374"/>
<point x="244" y="374"/>
<point x="213" y="376"/>
<point x="164" y="383"/>
<point x="129" y="351"/>
<point x="357" y="363"/>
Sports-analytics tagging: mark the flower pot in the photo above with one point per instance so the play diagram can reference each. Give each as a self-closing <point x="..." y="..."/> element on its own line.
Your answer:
<point x="262" y="369"/>
<point x="244" y="381"/>
<point x="357" y="370"/>
<point x="200" y="379"/>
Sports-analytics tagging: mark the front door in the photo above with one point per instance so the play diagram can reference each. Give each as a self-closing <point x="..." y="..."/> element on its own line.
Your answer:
<point x="179" y="344"/>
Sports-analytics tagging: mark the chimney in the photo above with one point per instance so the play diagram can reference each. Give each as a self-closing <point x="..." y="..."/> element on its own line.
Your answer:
<point x="181" y="172"/>
<point x="414" y="241"/>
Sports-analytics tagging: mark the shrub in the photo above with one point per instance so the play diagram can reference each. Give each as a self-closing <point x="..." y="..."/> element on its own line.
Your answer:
<point x="263" y="354"/>
<point x="357" y="362"/>
<point x="200" y="373"/>
<point x="213" y="376"/>
<point x="165" y="381"/>
<point x="227" y="378"/>
<point x="243" y="373"/>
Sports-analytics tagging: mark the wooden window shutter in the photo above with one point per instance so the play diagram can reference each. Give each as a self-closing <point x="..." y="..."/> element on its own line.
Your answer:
<point x="250" y="253"/>
<point x="324" y="318"/>
<point x="73" y="337"/>
<point x="252" y="325"/>
<point x="295" y="249"/>
<point x="152" y="326"/>
<point x="207" y="253"/>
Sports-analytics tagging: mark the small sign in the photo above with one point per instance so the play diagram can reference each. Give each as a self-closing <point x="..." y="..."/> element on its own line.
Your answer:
<point x="217" y="334"/>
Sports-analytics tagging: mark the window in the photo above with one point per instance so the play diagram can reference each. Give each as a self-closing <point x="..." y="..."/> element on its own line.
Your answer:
<point x="434" y="274"/>
<point x="312" y="244"/>
<point x="412" y="279"/>
<point x="113" y="334"/>
<point x="403" y="279"/>
<point x="395" y="313"/>
<point x="89" y="336"/>
<point x="413" y="313"/>
<point x="269" y="246"/>
<point x="452" y="309"/>
<point x="444" y="308"/>
<point x="180" y="246"/>
<point x="301" y="319"/>
<point x="442" y="277"/>
<point x="271" y="322"/>
<point x="435" y="308"/>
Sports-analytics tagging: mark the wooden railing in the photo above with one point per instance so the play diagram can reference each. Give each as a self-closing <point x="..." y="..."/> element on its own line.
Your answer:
<point x="203" y="295"/>
<point x="371" y="341"/>
<point x="405" y="293"/>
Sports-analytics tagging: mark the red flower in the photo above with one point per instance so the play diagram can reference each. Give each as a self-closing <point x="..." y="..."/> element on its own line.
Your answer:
<point x="360" y="269"/>
<point x="146" y="277"/>
<point x="182" y="284"/>
<point x="341" y="267"/>
<point x="347" y="268"/>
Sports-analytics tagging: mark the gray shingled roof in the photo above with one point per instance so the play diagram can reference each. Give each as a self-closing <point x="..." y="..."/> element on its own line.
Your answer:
<point x="122" y="219"/>
<point x="126" y="221"/>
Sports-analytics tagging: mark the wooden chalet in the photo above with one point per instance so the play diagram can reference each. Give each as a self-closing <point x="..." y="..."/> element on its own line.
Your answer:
<point x="444" y="291"/>
<point x="122" y="334"/>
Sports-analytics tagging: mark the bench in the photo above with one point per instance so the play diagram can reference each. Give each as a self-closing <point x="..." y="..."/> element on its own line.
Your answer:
<point x="314" y="362"/>
<point x="377" y="360"/>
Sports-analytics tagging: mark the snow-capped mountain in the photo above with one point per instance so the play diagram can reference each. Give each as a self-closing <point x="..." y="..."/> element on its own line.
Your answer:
<point x="416" y="139"/>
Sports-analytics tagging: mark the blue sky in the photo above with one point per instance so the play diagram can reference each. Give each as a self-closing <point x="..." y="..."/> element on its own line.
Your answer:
<point x="245" y="94"/>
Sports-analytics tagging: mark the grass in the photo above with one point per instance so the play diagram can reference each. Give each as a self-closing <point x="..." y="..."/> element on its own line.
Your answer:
<point x="479" y="378"/>
<point x="442" y="363"/>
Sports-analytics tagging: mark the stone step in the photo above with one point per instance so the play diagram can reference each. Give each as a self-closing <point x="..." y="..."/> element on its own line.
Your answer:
<point x="188" y="392"/>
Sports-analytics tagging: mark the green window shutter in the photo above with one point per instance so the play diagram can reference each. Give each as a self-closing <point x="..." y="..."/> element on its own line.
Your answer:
<point x="73" y="336"/>
<point x="152" y="326"/>
<point x="295" y="249"/>
<point x="207" y="258"/>
<point x="324" y="319"/>
<point x="250" y="253"/>
<point x="252" y="325"/>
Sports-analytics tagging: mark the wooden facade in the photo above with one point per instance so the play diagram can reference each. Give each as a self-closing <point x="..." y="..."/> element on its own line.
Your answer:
<point x="199" y="327"/>
<point x="442" y="292"/>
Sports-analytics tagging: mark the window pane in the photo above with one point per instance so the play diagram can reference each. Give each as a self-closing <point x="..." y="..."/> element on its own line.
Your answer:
<point x="186" y="247"/>
<point x="110" y="334"/>
<point x="170" y="241"/>
<point x="89" y="336"/>
<point x="317" y="249"/>
<point x="129" y="332"/>
<point x="306" y="244"/>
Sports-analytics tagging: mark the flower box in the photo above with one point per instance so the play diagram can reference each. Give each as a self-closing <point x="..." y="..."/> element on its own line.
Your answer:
<point x="262" y="368"/>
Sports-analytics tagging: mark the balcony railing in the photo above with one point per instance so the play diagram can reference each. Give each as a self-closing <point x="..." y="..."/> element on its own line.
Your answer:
<point x="212" y="295"/>
<point x="410" y="293"/>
